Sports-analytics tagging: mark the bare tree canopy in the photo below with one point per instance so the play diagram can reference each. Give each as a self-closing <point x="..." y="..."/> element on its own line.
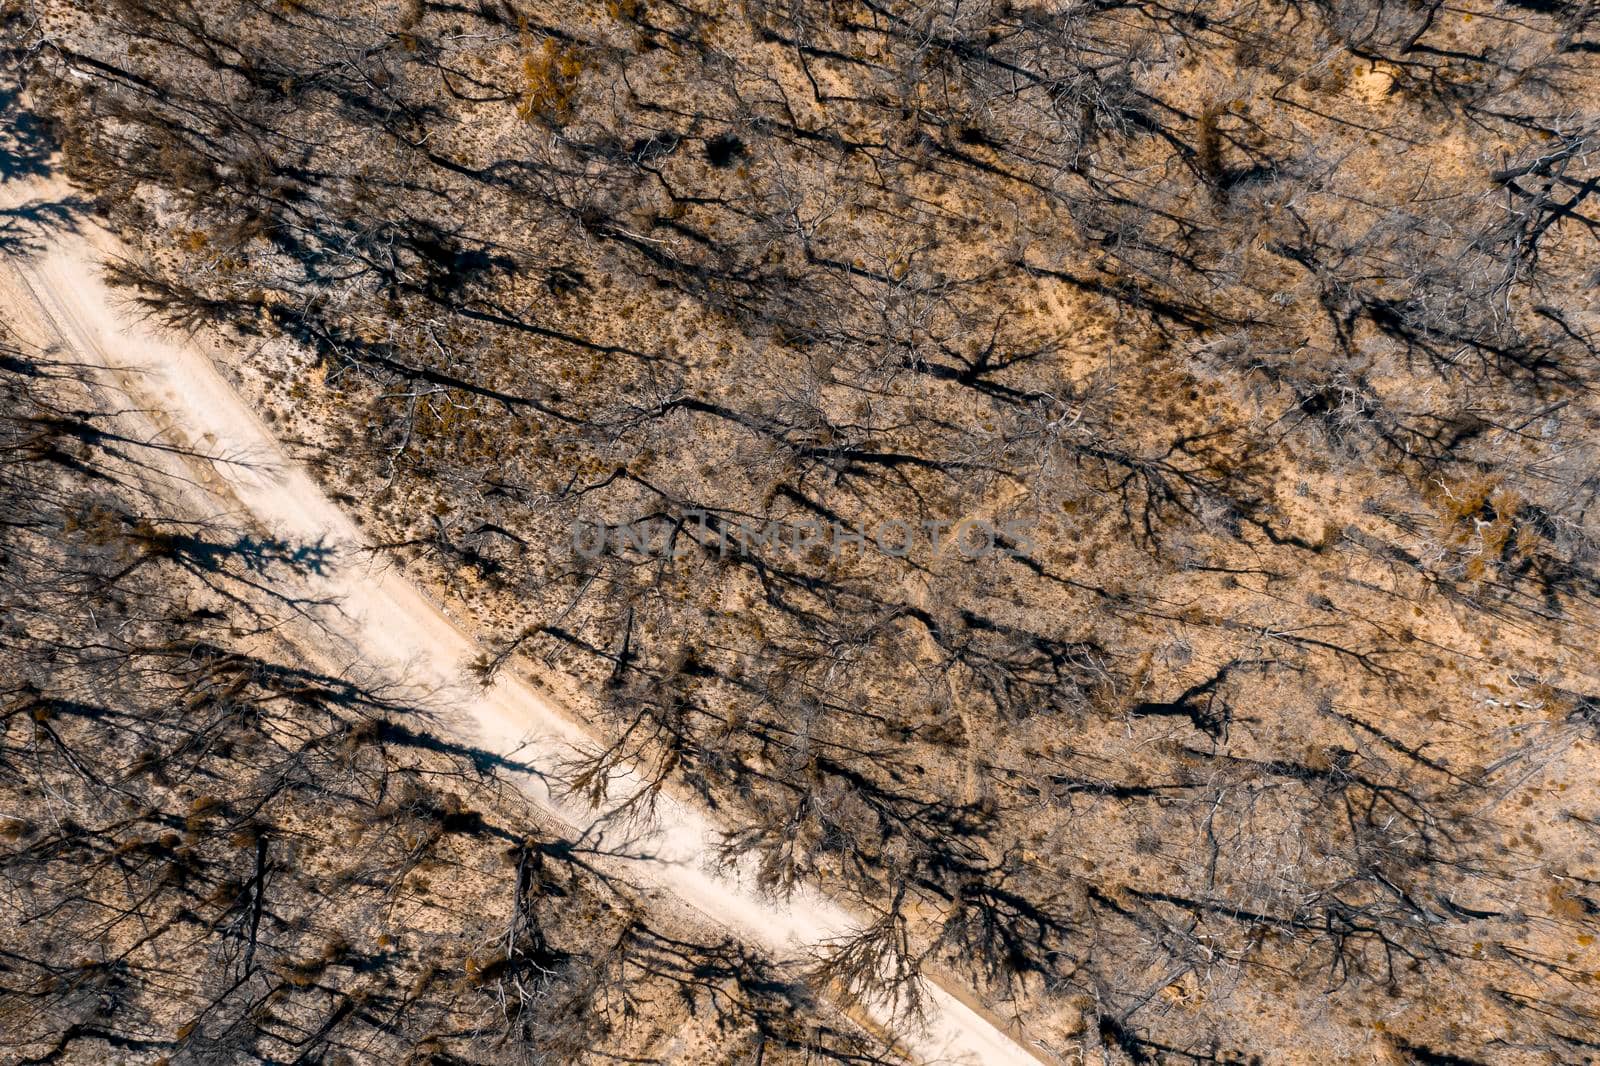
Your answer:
<point x="1105" y="491"/>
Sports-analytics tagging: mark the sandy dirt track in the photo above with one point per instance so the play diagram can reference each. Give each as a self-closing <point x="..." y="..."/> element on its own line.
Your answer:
<point x="382" y="622"/>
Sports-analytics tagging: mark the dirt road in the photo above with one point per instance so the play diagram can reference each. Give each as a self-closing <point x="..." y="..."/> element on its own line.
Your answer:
<point x="386" y="624"/>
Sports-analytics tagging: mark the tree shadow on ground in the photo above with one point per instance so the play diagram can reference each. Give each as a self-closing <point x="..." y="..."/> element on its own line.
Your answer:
<point x="26" y="142"/>
<point x="28" y="149"/>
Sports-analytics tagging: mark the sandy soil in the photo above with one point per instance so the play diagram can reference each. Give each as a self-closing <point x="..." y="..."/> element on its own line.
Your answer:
<point x="378" y="621"/>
